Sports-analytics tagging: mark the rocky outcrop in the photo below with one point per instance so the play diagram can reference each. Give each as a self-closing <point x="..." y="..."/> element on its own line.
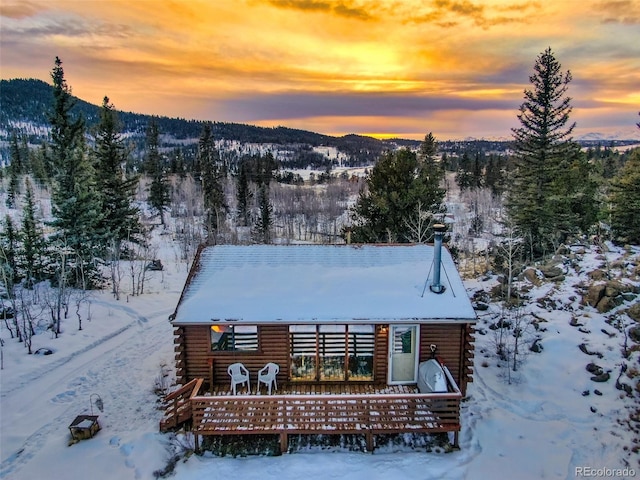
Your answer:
<point x="531" y="275"/>
<point x="598" y="274"/>
<point x="634" y="311"/>
<point x="551" y="271"/>
<point x="595" y="294"/>
<point x="603" y="377"/>
<point x="607" y="296"/>
<point x="634" y="333"/>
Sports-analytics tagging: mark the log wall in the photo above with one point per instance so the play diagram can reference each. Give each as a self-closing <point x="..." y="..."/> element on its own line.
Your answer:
<point x="195" y="359"/>
<point x="454" y="348"/>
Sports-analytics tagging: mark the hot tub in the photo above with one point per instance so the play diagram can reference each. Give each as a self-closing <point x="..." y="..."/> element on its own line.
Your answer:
<point x="431" y="377"/>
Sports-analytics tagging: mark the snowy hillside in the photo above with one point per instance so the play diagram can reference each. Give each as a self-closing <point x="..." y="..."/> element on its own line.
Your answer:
<point x="548" y="421"/>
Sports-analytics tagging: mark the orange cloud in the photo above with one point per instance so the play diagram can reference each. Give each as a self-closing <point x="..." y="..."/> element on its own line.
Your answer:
<point x="314" y="62"/>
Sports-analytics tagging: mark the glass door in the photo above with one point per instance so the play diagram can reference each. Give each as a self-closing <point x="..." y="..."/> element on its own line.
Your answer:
<point x="403" y="353"/>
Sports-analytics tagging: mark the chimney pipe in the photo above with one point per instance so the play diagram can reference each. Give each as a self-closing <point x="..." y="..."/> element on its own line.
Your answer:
<point x="436" y="286"/>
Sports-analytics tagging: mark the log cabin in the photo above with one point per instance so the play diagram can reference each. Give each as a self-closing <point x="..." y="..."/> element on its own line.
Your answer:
<point x="348" y="327"/>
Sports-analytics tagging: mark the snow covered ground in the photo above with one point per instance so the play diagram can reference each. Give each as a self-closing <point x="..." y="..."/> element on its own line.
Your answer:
<point x="539" y="426"/>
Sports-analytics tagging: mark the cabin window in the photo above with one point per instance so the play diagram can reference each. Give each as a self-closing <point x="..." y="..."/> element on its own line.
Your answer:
<point x="303" y="352"/>
<point x="332" y="352"/>
<point x="361" y="344"/>
<point x="234" y="338"/>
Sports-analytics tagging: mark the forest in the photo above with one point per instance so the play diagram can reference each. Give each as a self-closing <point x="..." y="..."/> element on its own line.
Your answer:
<point x="83" y="198"/>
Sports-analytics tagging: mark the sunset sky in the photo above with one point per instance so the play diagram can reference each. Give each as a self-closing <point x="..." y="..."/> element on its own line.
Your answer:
<point x="404" y="68"/>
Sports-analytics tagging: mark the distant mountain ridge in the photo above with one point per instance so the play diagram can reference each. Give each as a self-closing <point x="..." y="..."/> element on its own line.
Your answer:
<point x="25" y="103"/>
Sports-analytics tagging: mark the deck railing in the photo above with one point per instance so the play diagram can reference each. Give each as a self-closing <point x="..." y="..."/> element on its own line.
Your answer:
<point x="367" y="414"/>
<point x="178" y="405"/>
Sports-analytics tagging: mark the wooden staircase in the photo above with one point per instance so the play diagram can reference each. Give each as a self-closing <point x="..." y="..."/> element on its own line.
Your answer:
<point x="178" y="406"/>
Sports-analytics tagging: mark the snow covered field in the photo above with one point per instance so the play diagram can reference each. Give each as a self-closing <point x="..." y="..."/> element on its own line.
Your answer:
<point x="539" y="426"/>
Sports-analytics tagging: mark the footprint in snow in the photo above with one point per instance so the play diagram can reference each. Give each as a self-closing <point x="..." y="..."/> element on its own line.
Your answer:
<point x="126" y="449"/>
<point x="64" y="397"/>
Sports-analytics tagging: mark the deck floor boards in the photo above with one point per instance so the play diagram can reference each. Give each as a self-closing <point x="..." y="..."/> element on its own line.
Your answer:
<point x="319" y="389"/>
<point x="305" y="408"/>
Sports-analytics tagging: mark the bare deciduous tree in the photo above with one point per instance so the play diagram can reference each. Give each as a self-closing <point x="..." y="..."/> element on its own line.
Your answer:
<point x="420" y="225"/>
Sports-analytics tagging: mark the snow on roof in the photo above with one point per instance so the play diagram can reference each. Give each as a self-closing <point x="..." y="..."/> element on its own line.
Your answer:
<point x="321" y="284"/>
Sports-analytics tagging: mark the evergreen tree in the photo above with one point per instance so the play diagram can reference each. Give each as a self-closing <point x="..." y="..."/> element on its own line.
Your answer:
<point x="264" y="168"/>
<point x="32" y="249"/>
<point x="14" y="186"/>
<point x="66" y="131"/>
<point x="264" y="221"/>
<point x="477" y="180"/>
<point x="445" y="162"/>
<point x="16" y="156"/>
<point x="159" y="198"/>
<point x="215" y="205"/>
<point x="494" y="176"/>
<point x="120" y="220"/>
<point x="625" y="201"/>
<point x="8" y="252"/>
<point x="540" y="187"/>
<point x="14" y="170"/>
<point x="177" y="164"/>
<point x="38" y="162"/>
<point x="243" y="194"/>
<point x="75" y="201"/>
<point x="431" y="174"/>
<point x="464" y="175"/>
<point x="399" y="185"/>
<point x="572" y="199"/>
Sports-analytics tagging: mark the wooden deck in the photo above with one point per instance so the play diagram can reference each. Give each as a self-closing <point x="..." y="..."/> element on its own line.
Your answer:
<point x="319" y="409"/>
<point x="294" y="388"/>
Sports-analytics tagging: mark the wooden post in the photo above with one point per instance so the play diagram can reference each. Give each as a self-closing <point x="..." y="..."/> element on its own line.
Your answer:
<point x="369" y="437"/>
<point x="196" y="443"/>
<point x="210" y="361"/>
<point x="284" y="442"/>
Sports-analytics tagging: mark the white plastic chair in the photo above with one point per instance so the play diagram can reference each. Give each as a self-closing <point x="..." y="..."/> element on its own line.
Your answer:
<point x="267" y="375"/>
<point x="239" y="375"/>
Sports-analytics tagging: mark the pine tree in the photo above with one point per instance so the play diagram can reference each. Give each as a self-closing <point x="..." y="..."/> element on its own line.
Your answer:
<point x="14" y="186"/>
<point x="243" y="194"/>
<point x="15" y="168"/>
<point x="214" y="202"/>
<point x="159" y="198"/>
<point x="265" y="166"/>
<point x="38" y="162"/>
<point x="477" y="179"/>
<point x="16" y="156"/>
<point x="120" y="220"/>
<point x="625" y="202"/>
<point x="264" y="221"/>
<point x="8" y="253"/>
<point x="399" y="185"/>
<point x="32" y="249"/>
<point x="538" y="193"/>
<point x="572" y="200"/>
<point x="493" y="175"/>
<point x="431" y="174"/>
<point x="75" y="200"/>
<point x="464" y="175"/>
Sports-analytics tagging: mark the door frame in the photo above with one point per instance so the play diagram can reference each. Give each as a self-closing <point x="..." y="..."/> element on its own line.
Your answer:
<point x="416" y="346"/>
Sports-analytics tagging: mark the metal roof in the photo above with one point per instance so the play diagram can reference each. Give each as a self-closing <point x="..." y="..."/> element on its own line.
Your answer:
<point x="321" y="284"/>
